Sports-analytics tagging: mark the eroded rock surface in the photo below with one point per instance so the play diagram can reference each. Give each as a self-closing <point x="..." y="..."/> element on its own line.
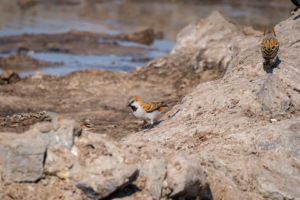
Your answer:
<point x="22" y="156"/>
<point x="98" y="165"/>
<point x="243" y="126"/>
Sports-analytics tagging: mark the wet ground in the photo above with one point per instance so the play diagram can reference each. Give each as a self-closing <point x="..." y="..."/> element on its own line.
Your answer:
<point x="115" y="17"/>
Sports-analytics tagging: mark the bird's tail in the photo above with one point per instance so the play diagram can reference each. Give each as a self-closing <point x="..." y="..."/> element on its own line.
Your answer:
<point x="165" y="105"/>
<point x="268" y="63"/>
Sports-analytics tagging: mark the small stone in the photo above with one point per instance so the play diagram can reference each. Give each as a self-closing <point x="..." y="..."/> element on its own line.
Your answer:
<point x="165" y="184"/>
<point x="63" y="174"/>
<point x="138" y="68"/>
<point x="7" y="74"/>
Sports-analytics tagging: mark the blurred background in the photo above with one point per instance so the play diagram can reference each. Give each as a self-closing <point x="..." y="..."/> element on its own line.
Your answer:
<point x="124" y="16"/>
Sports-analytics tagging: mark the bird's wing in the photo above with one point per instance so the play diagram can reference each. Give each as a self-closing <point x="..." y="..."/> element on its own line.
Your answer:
<point x="150" y="107"/>
<point x="84" y="125"/>
<point x="269" y="47"/>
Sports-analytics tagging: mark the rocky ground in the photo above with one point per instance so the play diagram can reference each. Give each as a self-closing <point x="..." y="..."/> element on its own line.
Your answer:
<point x="234" y="134"/>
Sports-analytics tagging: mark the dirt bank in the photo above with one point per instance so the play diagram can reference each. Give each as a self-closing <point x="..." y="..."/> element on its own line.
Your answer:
<point x="243" y="127"/>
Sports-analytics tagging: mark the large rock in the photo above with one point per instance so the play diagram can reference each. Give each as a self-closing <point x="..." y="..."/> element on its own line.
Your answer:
<point x="100" y="167"/>
<point x="204" y="47"/>
<point x="95" y="165"/>
<point x="98" y="186"/>
<point x="178" y="175"/>
<point x="60" y="134"/>
<point x="22" y="155"/>
<point x="59" y="161"/>
<point x="244" y="127"/>
<point x="156" y="175"/>
<point x="185" y="177"/>
<point x="287" y="189"/>
<point x="208" y="41"/>
<point x="22" y="159"/>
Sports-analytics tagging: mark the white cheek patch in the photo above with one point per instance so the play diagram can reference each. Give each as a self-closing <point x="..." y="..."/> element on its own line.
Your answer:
<point x="135" y="103"/>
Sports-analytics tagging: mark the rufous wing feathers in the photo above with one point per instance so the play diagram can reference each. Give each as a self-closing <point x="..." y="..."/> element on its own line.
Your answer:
<point x="150" y="107"/>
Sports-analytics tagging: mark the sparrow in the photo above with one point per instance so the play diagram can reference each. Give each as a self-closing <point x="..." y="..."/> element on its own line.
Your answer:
<point x="145" y="111"/>
<point x="269" y="47"/>
<point x="52" y="116"/>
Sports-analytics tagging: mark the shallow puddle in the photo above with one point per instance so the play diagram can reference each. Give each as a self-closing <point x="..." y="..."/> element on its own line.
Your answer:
<point x="114" y="17"/>
<point x="111" y="62"/>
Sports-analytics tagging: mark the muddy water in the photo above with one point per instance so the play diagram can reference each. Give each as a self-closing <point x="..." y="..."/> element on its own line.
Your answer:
<point x="113" y="17"/>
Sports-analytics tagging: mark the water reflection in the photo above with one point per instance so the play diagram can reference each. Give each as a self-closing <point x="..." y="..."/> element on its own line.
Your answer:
<point x="111" y="62"/>
<point x="129" y="15"/>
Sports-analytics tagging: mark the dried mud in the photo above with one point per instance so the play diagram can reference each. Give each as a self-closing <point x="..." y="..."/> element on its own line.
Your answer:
<point x="79" y="43"/>
<point x="97" y="97"/>
<point x="22" y="62"/>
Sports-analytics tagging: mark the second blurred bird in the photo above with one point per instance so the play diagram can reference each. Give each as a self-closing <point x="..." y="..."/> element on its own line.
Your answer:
<point x="269" y="47"/>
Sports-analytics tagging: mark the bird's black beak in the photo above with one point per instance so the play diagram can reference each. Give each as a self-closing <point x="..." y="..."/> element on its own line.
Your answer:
<point x="128" y="104"/>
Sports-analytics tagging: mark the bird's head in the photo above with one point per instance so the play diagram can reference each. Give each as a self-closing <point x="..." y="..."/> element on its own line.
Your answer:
<point x="134" y="101"/>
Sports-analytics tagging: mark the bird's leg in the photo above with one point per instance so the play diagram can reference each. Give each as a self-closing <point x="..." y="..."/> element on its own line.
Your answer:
<point x="150" y="125"/>
<point x="145" y="122"/>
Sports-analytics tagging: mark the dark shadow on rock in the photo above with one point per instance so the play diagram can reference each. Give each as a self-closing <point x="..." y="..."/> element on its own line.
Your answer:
<point x="295" y="18"/>
<point x="206" y="194"/>
<point x="125" y="192"/>
<point x="158" y="122"/>
<point x="175" y="113"/>
<point x="88" y="191"/>
<point x="154" y="124"/>
<point x="269" y="70"/>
